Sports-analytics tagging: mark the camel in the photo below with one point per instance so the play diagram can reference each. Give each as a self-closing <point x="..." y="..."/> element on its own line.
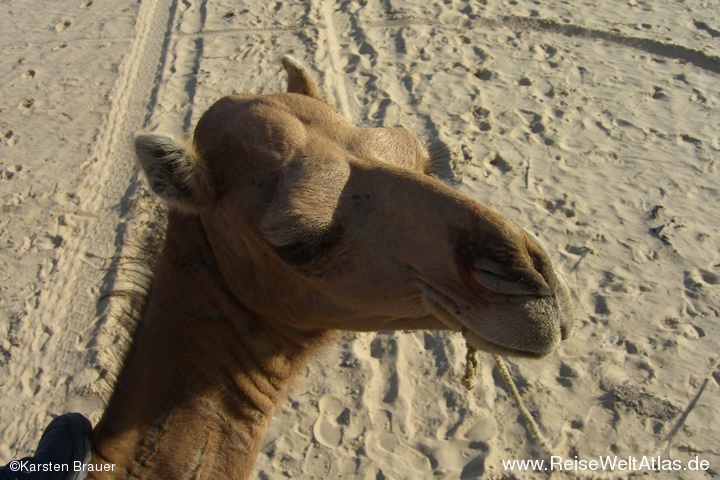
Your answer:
<point x="288" y="224"/>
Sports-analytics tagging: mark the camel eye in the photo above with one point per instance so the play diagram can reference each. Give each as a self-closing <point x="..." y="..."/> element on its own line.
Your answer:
<point x="298" y="253"/>
<point x="309" y="247"/>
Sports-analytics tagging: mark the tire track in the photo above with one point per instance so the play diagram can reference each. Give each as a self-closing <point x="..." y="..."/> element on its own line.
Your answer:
<point x="669" y="50"/>
<point x="695" y="57"/>
<point x="334" y="47"/>
<point x="104" y="191"/>
<point x="192" y="84"/>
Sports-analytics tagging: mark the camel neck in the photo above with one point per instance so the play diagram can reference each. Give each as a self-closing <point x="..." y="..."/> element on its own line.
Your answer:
<point x="203" y="375"/>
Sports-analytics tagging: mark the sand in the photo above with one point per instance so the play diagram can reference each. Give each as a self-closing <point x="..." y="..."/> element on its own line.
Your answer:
<point x="594" y="125"/>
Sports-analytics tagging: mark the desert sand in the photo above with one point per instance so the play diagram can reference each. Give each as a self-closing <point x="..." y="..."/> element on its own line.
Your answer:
<point x="593" y="124"/>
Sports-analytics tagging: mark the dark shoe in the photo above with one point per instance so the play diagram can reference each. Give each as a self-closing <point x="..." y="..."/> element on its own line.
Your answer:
<point x="65" y="446"/>
<point x="67" y="439"/>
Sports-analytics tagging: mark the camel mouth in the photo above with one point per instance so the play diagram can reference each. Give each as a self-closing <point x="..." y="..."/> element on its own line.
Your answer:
<point x="480" y="343"/>
<point x="449" y="312"/>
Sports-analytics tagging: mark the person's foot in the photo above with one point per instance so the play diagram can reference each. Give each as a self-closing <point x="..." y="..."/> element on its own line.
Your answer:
<point x="66" y="440"/>
<point x="65" y="446"/>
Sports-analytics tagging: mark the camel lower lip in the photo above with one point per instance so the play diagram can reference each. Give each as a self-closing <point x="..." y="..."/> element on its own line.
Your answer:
<point x="442" y="305"/>
<point x="480" y="343"/>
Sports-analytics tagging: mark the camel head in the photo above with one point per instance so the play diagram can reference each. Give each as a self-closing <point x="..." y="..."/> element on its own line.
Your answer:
<point x="317" y="224"/>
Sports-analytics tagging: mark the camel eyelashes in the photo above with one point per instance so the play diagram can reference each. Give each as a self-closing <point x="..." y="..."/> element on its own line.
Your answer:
<point x="298" y="253"/>
<point x="303" y="251"/>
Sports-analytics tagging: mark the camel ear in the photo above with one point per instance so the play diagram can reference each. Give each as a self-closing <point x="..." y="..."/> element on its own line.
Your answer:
<point x="175" y="173"/>
<point x="299" y="79"/>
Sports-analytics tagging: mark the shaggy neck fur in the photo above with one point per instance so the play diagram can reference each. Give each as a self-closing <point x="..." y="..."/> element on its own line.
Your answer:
<point x="203" y="376"/>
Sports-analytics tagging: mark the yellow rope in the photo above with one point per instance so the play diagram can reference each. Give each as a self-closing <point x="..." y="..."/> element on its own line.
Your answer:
<point x="471" y="371"/>
<point x="532" y="425"/>
<point x="469" y="380"/>
<point x="471" y="367"/>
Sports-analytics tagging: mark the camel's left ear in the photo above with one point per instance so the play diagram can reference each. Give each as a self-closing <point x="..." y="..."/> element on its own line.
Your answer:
<point x="299" y="80"/>
<point x="175" y="173"/>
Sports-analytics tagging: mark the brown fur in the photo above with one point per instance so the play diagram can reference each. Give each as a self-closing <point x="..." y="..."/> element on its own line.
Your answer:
<point x="289" y="224"/>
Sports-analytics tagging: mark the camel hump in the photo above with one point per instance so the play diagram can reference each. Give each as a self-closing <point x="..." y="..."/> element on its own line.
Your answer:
<point x="174" y="171"/>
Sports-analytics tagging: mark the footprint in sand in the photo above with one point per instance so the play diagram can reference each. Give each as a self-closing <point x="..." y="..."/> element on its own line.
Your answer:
<point x="10" y="172"/>
<point x="7" y="135"/>
<point x="498" y="163"/>
<point x="388" y="448"/>
<point x="328" y="428"/>
<point x="483" y="431"/>
<point x="711" y="278"/>
<point x="483" y="116"/>
<point x="696" y="282"/>
<point x="62" y="25"/>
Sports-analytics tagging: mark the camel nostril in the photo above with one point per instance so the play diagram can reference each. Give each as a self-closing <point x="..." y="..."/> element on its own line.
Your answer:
<point x="498" y="278"/>
<point x="545" y="271"/>
<point x="540" y="259"/>
<point x="543" y="266"/>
